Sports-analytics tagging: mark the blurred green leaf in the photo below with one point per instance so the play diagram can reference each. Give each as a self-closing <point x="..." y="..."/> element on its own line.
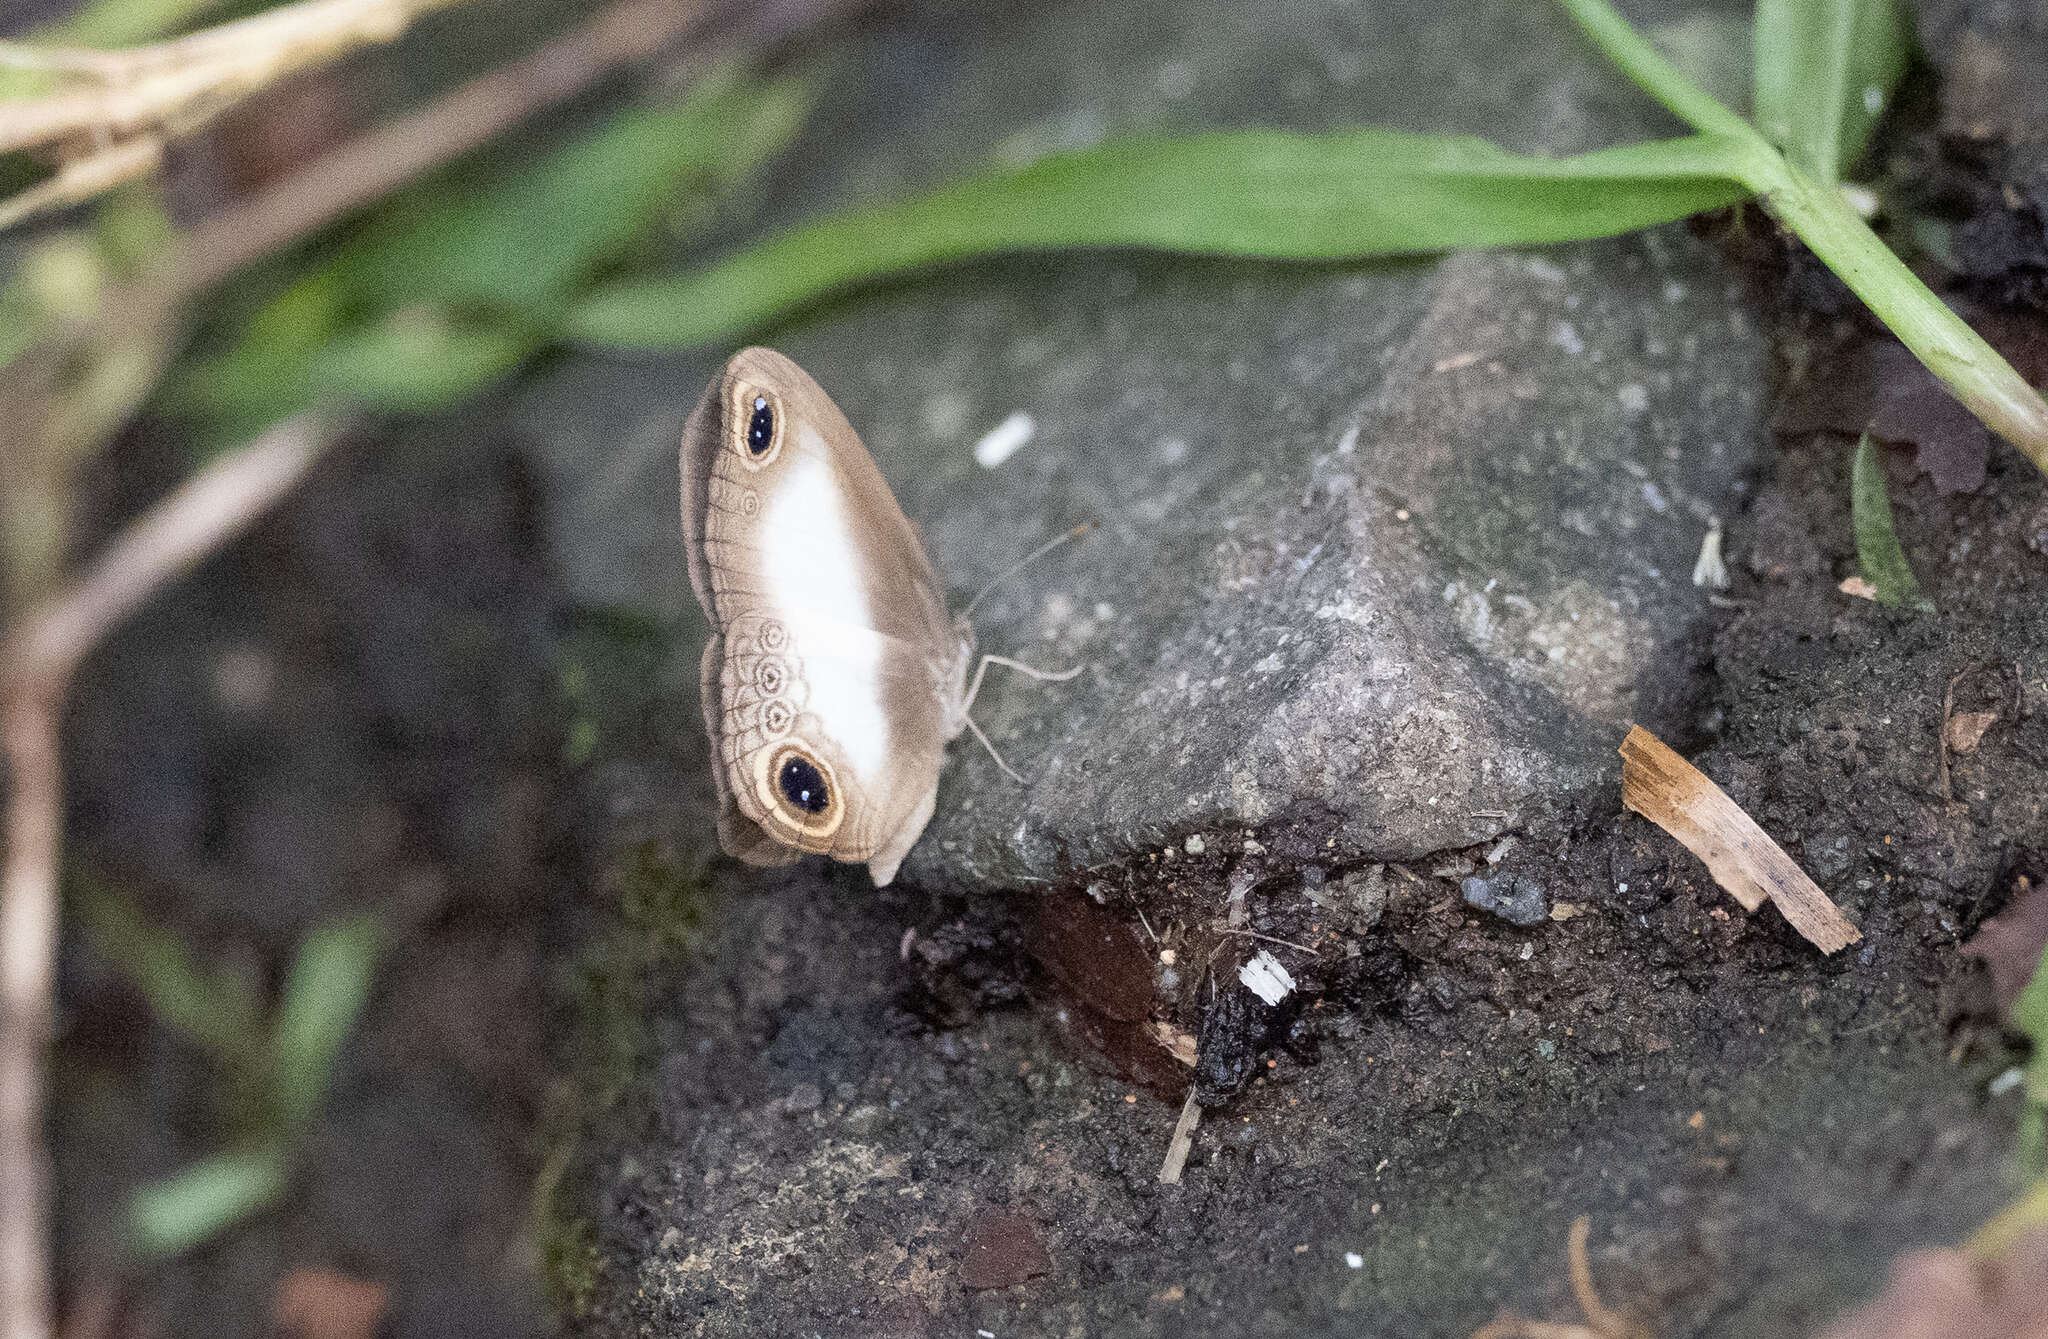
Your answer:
<point x="2030" y="1016"/>
<point x="522" y="242"/>
<point x="181" y="1211"/>
<point x="268" y="373"/>
<point x="1345" y="195"/>
<point x="1825" y="71"/>
<point x="328" y="985"/>
<point x="437" y="296"/>
<point x="416" y="361"/>
<point x="1877" y="543"/>
<point x="214" y="1011"/>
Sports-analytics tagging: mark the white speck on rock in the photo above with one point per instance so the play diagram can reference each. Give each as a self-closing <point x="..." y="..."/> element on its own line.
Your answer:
<point x="1195" y="845"/>
<point x="1548" y="271"/>
<point x="1354" y="1259"/>
<point x="1634" y="398"/>
<point x="1004" y="440"/>
<point x="1270" y="665"/>
<point x="1565" y="337"/>
<point x="1711" y="569"/>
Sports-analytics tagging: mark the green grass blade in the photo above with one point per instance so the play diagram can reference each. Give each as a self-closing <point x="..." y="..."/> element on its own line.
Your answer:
<point x="2030" y="1016"/>
<point x="183" y="1210"/>
<point x="1271" y="194"/>
<point x="1825" y="70"/>
<point x="212" y="1010"/>
<point x="328" y="986"/>
<point x="1877" y="543"/>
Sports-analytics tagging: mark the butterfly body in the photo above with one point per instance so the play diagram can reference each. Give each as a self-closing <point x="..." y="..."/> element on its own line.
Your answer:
<point x="834" y="678"/>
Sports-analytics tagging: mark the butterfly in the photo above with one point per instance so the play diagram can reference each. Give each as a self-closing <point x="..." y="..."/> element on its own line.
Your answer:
<point x="834" y="677"/>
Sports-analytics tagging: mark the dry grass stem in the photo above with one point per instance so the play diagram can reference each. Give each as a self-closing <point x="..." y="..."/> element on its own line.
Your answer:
<point x="36" y="664"/>
<point x="115" y="111"/>
<point x="1183" y="1141"/>
<point x="1679" y="798"/>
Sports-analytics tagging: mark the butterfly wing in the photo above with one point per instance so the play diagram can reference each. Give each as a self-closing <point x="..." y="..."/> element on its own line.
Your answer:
<point x="833" y="678"/>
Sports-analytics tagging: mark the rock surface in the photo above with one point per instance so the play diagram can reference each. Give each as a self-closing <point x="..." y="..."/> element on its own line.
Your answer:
<point x="1403" y="547"/>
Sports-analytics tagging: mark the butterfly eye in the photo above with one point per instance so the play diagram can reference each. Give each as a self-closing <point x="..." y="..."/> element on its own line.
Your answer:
<point x="760" y="426"/>
<point x="803" y="785"/>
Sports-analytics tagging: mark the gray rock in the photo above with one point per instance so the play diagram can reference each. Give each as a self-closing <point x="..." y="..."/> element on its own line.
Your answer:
<point x="1513" y="898"/>
<point x="1395" y="550"/>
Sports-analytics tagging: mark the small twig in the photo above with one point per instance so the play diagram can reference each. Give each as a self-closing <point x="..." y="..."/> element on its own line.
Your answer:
<point x="36" y="665"/>
<point x="1272" y="939"/>
<point x="79" y="179"/>
<point x="173" y="535"/>
<point x="28" y="935"/>
<point x="1600" y="1322"/>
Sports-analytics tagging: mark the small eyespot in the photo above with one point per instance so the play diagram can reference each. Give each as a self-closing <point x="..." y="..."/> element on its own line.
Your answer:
<point x="773" y="636"/>
<point x="771" y="676"/>
<point x="803" y="785"/>
<point x="777" y="716"/>
<point x="750" y="503"/>
<point x="760" y="426"/>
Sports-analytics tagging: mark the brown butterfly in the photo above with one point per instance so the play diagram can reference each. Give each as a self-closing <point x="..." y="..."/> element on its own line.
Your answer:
<point x="834" y="678"/>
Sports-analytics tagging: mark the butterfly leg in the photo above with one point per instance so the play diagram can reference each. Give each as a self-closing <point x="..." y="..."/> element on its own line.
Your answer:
<point x="974" y="689"/>
<point x="1008" y="771"/>
<point x="1043" y="676"/>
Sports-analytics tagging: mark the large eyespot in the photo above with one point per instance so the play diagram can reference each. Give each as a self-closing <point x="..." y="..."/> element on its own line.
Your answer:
<point x="803" y="802"/>
<point x="755" y="419"/>
<point x="802" y="784"/>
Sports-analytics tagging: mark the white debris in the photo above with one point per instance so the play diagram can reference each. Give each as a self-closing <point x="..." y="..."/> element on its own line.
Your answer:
<point x="1354" y="1259"/>
<point x="1004" y="440"/>
<point x="1711" y="570"/>
<point x="1264" y="977"/>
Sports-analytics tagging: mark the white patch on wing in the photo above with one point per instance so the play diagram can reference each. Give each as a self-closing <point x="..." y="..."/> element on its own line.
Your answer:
<point x="813" y="575"/>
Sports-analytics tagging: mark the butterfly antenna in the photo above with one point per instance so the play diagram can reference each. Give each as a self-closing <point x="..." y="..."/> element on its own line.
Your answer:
<point x="1022" y="563"/>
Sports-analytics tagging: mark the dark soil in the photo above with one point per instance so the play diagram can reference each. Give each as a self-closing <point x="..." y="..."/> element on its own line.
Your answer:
<point x="1753" y="1128"/>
